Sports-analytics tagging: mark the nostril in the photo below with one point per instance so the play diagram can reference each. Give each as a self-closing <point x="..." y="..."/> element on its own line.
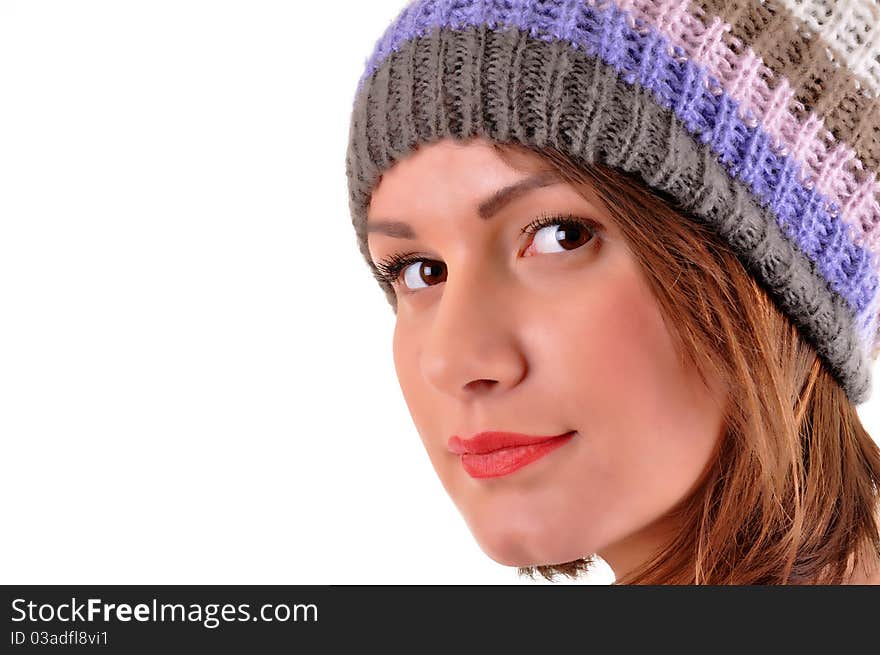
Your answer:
<point x="480" y="385"/>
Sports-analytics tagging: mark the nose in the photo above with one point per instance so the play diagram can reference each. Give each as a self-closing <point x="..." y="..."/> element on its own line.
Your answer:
<point x="471" y="347"/>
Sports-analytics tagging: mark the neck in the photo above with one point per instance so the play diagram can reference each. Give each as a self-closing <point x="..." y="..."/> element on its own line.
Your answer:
<point x="864" y="574"/>
<point x="634" y="550"/>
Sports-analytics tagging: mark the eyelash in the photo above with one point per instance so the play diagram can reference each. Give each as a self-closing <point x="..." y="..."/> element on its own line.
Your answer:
<point x="389" y="269"/>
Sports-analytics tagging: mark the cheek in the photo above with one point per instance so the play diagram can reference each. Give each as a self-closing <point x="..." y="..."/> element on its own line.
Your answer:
<point x="649" y="426"/>
<point x="405" y="349"/>
<point x="426" y="406"/>
<point x="418" y="395"/>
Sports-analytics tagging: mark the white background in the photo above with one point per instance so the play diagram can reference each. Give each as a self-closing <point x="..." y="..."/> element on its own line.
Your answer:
<point x="196" y="378"/>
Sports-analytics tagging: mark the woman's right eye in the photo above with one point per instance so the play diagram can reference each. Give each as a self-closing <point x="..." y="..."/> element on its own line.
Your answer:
<point x="417" y="272"/>
<point x="423" y="271"/>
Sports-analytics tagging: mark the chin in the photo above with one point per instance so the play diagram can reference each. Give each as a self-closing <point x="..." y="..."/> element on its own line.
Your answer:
<point x="508" y="556"/>
<point x="521" y="548"/>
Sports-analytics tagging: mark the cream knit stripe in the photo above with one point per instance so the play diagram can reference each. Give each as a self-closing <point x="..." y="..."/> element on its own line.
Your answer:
<point x="841" y="24"/>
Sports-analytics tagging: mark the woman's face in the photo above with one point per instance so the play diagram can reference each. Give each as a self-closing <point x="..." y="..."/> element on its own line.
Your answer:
<point x="541" y="334"/>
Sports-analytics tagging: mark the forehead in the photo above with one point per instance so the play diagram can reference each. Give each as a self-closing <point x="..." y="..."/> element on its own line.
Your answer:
<point x="440" y="170"/>
<point x="473" y="176"/>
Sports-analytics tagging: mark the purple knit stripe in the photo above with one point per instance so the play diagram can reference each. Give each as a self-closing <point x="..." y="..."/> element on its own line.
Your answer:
<point x="678" y="84"/>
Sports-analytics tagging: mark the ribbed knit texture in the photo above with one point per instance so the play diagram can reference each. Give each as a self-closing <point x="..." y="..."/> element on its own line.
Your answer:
<point x="762" y="119"/>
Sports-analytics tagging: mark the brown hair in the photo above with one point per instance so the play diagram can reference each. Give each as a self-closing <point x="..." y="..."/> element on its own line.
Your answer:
<point x="791" y="495"/>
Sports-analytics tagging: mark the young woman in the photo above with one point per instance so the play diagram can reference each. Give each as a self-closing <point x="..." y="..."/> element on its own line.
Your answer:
<point x="632" y="252"/>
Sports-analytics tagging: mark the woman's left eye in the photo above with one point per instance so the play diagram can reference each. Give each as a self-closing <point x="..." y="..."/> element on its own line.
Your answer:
<point x="559" y="234"/>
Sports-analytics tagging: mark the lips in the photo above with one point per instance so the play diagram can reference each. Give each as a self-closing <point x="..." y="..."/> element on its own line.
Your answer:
<point x="493" y="454"/>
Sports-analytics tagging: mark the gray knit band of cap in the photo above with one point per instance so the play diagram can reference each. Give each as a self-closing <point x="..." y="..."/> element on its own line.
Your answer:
<point x="603" y="83"/>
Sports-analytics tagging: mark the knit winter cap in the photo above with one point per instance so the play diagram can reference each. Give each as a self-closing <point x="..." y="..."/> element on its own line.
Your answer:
<point x="760" y="117"/>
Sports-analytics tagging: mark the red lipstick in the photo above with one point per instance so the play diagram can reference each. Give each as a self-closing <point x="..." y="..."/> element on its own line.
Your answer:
<point x="492" y="454"/>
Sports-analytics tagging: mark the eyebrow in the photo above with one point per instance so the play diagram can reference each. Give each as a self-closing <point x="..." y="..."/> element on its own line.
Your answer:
<point x="485" y="210"/>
